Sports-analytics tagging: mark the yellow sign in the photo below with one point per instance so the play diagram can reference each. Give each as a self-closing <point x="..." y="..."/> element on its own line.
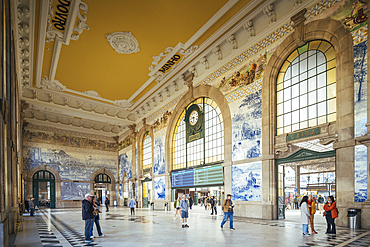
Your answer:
<point x="61" y="10"/>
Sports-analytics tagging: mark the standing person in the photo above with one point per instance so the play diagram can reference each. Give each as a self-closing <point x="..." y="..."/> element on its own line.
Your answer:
<point x="184" y="205"/>
<point x="305" y="215"/>
<point x="312" y="209"/>
<point x="228" y="208"/>
<point x="132" y="205"/>
<point x="191" y="202"/>
<point x="87" y="216"/>
<point x="176" y="205"/>
<point x="96" y="205"/>
<point x="330" y="214"/>
<point x="32" y="206"/>
<point x="201" y="201"/>
<point x="27" y="204"/>
<point x="213" y="205"/>
<point x="107" y="203"/>
<point x="296" y="202"/>
<point x="320" y="201"/>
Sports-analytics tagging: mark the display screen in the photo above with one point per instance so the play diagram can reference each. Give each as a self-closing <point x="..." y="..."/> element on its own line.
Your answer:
<point x="182" y="178"/>
<point x="209" y="175"/>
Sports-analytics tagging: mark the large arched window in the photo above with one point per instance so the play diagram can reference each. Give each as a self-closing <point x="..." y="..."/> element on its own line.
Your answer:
<point x="306" y="88"/>
<point x="206" y="150"/>
<point x="147" y="151"/>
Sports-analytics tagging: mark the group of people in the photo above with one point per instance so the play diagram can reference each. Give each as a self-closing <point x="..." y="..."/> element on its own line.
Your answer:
<point x="182" y="208"/>
<point x="297" y="200"/>
<point x="90" y="214"/>
<point x="308" y="210"/>
<point x="209" y="203"/>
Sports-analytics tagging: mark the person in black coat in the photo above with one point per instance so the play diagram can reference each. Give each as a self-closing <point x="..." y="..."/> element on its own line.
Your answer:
<point x="87" y="216"/>
<point x="213" y="205"/>
<point x="191" y="202"/>
<point x="107" y="203"/>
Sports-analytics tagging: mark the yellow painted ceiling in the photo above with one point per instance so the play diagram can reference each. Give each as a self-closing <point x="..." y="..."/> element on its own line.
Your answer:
<point x="90" y="63"/>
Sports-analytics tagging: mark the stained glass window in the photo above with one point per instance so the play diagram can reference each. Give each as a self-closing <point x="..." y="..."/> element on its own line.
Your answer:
<point x="147" y="151"/>
<point x="306" y="88"/>
<point x="203" y="151"/>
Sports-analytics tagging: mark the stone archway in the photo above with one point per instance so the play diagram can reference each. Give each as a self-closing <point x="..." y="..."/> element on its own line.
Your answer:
<point x="215" y="94"/>
<point x="335" y="33"/>
<point x="57" y="182"/>
<point x="111" y="187"/>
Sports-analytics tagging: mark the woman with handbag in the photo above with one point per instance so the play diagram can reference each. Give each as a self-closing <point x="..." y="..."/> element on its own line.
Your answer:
<point x="330" y="213"/>
<point x="305" y="215"/>
<point x="96" y="212"/>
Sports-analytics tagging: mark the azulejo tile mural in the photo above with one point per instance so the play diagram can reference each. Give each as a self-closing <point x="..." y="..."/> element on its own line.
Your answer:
<point x="159" y="162"/>
<point x="125" y="163"/>
<point x="360" y="173"/>
<point x="247" y="181"/>
<point x="159" y="188"/>
<point x="74" y="191"/>
<point x="70" y="165"/>
<point x="247" y="126"/>
<point x="360" y="88"/>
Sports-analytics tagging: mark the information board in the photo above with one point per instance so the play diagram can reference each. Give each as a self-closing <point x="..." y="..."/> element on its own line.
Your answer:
<point x="203" y="176"/>
<point x="184" y="178"/>
<point x="208" y="176"/>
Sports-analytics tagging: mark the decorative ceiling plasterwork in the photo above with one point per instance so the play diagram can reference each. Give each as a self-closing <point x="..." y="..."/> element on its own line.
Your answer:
<point x="123" y="42"/>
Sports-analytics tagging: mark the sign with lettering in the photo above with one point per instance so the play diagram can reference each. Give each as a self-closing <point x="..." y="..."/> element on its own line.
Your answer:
<point x="200" y="176"/>
<point x="61" y="10"/>
<point x="170" y="63"/>
<point x="303" y="134"/>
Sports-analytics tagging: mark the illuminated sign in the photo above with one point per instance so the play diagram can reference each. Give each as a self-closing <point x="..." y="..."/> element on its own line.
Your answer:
<point x="182" y="178"/>
<point x="203" y="176"/>
<point x="303" y="134"/>
<point x="208" y="176"/>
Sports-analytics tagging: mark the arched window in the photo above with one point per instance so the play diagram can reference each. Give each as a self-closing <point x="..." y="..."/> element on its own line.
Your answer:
<point x="206" y="150"/>
<point x="102" y="178"/>
<point x="43" y="175"/>
<point x="306" y="88"/>
<point x="147" y="151"/>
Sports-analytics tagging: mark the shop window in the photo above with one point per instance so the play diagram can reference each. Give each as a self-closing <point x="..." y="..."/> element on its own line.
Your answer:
<point x="306" y="88"/>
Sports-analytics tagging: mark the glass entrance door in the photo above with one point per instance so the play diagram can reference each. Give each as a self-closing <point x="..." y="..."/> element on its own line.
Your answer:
<point x="44" y="189"/>
<point x="145" y="195"/>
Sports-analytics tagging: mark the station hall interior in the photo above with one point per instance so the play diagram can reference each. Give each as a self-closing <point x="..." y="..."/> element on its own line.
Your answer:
<point x="151" y="101"/>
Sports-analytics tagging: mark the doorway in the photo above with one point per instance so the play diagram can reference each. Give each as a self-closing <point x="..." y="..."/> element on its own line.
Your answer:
<point x="147" y="191"/>
<point x="43" y="183"/>
<point x="102" y="186"/>
<point x="306" y="172"/>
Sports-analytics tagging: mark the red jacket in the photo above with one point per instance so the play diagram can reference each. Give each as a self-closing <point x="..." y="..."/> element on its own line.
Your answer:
<point x="332" y="208"/>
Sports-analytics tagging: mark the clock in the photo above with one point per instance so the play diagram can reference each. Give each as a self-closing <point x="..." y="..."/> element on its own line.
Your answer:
<point x="193" y="118"/>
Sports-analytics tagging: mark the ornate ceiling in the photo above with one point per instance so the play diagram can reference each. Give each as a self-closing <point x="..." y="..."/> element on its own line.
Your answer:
<point x="100" y="67"/>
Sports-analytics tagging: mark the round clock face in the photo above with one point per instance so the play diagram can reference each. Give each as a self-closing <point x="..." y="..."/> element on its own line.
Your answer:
<point x="193" y="118"/>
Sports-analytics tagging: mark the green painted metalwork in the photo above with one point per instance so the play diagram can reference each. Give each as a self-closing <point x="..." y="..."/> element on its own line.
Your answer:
<point x="305" y="154"/>
<point x="303" y="134"/>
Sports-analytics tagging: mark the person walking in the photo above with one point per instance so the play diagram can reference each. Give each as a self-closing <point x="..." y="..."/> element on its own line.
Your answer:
<point x="184" y="205"/>
<point x="132" y="205"/>
<point x="305" y="215"/>
<point x="32" y="206"/>
<point x="312" y="209"/>
<point x="320" y="201"/>
<point x="228" y="208"/>
<point x="190" y="202"/>
<point x="96" y="205"/>
<point x="107" y="203"/>
<point x="213" y="205"/>
<point x="176" y="205"/>
<point x="296" y="202"/>
<point x="87" y="216"/>
<point x="330" y="214"/>
<point x="201" y="201"/>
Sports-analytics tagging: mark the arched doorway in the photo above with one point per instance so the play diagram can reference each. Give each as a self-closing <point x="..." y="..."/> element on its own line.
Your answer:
<point x="102" y="188"/>
<point x="44" y="189"/>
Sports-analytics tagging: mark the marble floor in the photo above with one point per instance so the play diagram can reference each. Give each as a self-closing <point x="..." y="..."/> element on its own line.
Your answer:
<point x="64" y="227"/>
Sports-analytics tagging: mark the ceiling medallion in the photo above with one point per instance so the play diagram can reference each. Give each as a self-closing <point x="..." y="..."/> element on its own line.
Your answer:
<point x="123" y="42"/>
